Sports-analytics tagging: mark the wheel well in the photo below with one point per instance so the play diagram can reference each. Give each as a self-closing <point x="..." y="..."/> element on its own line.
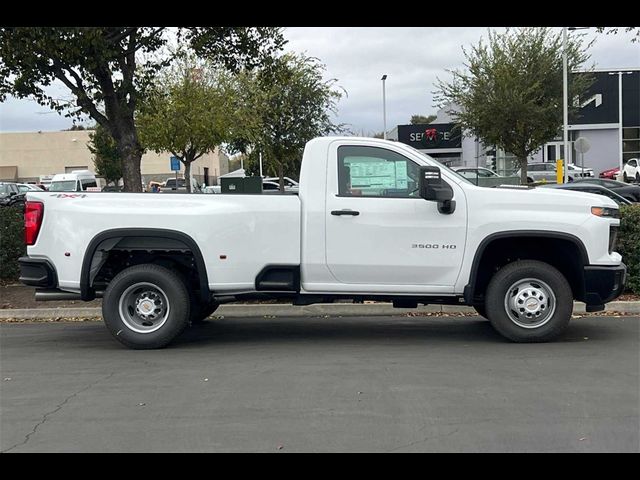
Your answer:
<point x="563" y="253"/>
<point x="111" y="252"/>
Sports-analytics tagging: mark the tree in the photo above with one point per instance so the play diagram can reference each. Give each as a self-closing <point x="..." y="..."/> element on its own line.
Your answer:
<point x="108" y="70"/>
<point x="421" y="119"/>
<point x="106" y="156"/>
<point x="292" y="104"/>
<point x="615" y="30"/>
<point x="189" y="113"/>
<point x="511" y="92"/>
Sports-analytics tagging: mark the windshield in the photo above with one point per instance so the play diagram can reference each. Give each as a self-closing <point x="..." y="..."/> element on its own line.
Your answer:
<point x="453" y="172"/>
<point x="4" y="190"/>
<point x="64" y="186"/>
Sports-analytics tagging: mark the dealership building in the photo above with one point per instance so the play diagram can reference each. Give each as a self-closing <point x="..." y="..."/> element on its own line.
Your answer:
<point x="25" y="157"/>
<point x="597" y="120"/>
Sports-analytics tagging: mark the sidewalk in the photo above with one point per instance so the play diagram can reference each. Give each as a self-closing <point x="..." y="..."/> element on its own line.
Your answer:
<point x="321" y="309"/>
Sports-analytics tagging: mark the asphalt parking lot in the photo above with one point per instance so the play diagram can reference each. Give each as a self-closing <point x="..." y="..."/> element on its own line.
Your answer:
<point x="379" y="384"/>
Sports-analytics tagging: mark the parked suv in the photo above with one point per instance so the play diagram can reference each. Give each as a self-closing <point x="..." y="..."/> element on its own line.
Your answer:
<point x="631" y="171"/>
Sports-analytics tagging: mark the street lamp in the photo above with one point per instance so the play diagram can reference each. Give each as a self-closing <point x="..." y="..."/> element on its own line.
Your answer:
<point x="620" y="114"/>
<point x="565" y="96"/>
<point x="384" y="108"/>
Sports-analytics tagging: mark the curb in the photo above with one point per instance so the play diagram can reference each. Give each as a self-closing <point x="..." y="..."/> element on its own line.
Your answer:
<point x="284" y="310"/>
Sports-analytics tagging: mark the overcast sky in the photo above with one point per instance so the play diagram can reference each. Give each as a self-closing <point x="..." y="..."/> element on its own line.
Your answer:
<point x="357" y="57"/>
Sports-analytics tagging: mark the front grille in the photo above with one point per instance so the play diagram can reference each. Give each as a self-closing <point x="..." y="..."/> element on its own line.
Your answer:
<point x="613" y="236"/>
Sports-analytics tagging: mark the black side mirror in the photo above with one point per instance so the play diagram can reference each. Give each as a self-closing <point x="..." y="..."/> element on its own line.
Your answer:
<point x="11" y="194"/>
<point x="434" y="189"/>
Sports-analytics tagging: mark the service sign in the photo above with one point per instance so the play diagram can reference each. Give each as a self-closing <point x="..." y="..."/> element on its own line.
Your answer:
<point x="430" y="136"/>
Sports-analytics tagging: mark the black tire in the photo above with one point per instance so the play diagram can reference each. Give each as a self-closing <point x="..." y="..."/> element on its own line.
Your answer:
<point x="529" y="180"/>
<point x="624" y="177"/>
<point x="150" y="287"/>
<point x="480" y="308"/>
<point x="555" y="296"/>
<point x="637" y="177"/>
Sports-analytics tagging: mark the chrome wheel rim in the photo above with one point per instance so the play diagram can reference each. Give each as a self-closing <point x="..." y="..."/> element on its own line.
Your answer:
<point x="530" y="303"/>
<point x="144" y="307"/>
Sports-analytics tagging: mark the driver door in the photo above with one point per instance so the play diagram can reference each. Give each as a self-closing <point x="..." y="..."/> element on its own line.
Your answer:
<point x="380" y="233"/>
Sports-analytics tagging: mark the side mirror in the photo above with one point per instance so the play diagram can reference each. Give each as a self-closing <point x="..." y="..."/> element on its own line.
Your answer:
<point x="434" y="189"/>
<point x="12" y="194"/>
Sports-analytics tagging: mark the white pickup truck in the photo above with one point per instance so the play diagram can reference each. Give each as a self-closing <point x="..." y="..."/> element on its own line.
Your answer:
<point x="373" y="220"/>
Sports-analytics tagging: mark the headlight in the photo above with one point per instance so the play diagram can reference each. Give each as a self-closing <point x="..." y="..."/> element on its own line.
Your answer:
<point x="606" y="212"/>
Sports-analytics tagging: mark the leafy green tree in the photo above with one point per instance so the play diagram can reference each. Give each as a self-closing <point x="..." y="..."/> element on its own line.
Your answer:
<point x="106" y="155"/>
<point x="510" y="94"/>
<point x="190" y="112"/>
<point x="292" y="104"/>
<point x="421" y="119"/>
<point x="108" y="70"/>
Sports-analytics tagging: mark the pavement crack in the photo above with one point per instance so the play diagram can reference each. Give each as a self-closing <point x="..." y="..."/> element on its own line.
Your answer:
<point x="58" y="407"/>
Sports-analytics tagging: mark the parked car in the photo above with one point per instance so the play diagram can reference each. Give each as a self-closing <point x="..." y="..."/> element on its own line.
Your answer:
<point x="10" y="194"/>
<point x="611" y="174"/>
<point x="589" y="188"/>
<point x="211" y="189"/>
<point x="290" y="185"/>
<point x="29" y="187"/>
<point x="483" y="177"/>
<point x="172" y="184"/>
<point x="576" y="171"/>
<point x="76" y="181"/>
<point x="628" y="191"/>
<point x="539" y="172"/>
<point x="630" y="171"/>
<point x="546" y="172"/>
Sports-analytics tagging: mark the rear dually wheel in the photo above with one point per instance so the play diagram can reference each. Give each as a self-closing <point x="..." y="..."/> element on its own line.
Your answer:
<point x="146" y="306"/>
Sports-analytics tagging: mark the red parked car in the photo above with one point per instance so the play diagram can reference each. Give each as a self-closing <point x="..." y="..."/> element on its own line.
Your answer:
<point x="610" y="174"/>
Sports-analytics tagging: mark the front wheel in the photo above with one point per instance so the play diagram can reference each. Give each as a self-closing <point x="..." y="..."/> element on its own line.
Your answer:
<point x="146" y="306"/>
<point x="529" y="301"/>
<point x="625" y="177"/>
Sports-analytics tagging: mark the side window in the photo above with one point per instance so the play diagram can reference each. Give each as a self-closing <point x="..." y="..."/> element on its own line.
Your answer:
<point x="88" y="183"/>
<point x="534" y="168"/>
<point x="633" y="163"/>
<point x="375" y="172"/>
<point x="550" y="167"/>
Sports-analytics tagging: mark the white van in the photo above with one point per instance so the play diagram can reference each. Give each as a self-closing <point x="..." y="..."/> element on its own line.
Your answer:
<point x="76" y="181"/>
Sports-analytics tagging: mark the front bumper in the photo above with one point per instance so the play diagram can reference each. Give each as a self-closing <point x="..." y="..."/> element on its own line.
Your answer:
<point x="37" y="272"/>
<point x="603" y="284"/>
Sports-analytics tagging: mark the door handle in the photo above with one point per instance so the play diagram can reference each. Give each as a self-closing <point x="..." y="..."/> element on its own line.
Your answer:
<point x="353" y="213"/>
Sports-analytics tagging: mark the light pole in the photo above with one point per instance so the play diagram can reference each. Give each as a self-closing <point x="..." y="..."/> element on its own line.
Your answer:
<point x="565" y="108"/>
<point x="621" y="163"/>
<point x="565" y="99"/>
<point x="384" y="108"/>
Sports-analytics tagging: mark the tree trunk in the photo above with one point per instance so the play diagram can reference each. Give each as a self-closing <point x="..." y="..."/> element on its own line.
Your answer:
<point x="131" y="176"/>
<point x="131" y="153"/>
<point x="523" y="170"/>
<point x="187" y="175"/>
<point x="281" y="175"/>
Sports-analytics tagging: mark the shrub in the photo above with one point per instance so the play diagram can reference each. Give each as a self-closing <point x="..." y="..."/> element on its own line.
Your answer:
<point x="629" y="244"/>
<point x="12" y="244"/>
